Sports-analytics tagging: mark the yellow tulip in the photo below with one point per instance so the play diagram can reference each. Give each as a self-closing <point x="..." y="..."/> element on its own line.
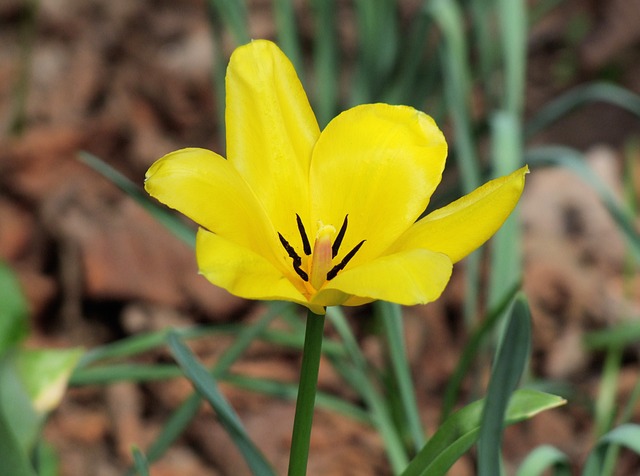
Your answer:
<point x="328" y="217"/>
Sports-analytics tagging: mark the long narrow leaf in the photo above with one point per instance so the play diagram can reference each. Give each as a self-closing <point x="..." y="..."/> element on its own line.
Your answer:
<point x="206" y="386"/>
<point x="285" y="18"/>
<point x="289" y="391"/>
<point x="471" y="350"/>
<point x="393" y="331"/>
<point x="513" y="26"/>
<point x="460" y="431"/>
<point x="233" y="14"/>
<point x="325" y="58"/>
<point x="179" y="420"/>
<point x="579" y="96"/>
<point x="625" y="435"/>
<point x="545" y="458"/>
<point x="511" y="360"/>
<point x="140" y="463"/>
<point x="14" y="311"/>
<point x="361" y="382"/>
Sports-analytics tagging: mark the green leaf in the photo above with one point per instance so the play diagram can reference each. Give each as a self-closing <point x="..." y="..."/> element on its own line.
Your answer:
<point x="106" y="374"/>
<point x="205" y="384"/>
<point x="289" y="391"/>
<point x="47" y="461"/>
<point x="181" y="417"/>
<point x="13" y="457"/>
<point x="579" y="96"/>
<point x="620" y="335"/>
<point x="543" y="458"/>
<point x="32" y="383"/>
<point x="472" y="348"/>
<point x="625" y="435"/>
<point x="325" y="59"/>
<point x="357" y="373"/>
<point x="460" y="431"/>
<point x="394" y="334"/>
<point x="140" y="462"/>
<point x="233" y="14"/>
<point x="511" y="360"/>
<point x="45" y="374"/>
<point x="19" y="422"/>
<point x="14" y="310"/>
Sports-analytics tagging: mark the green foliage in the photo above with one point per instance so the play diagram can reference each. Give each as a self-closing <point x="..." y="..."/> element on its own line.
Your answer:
<point x="449" y="55"/>
<point x="32" y="383"/>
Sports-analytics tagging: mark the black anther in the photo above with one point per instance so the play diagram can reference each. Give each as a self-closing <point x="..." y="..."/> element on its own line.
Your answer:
<point x="297" y="261"/>
<point x="336" y="244"/>
<point x="306" y="246"/>
<point x="340" y="266"/>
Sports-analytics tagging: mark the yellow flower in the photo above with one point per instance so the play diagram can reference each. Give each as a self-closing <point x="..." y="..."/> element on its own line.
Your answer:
<point x="323" y="218"/>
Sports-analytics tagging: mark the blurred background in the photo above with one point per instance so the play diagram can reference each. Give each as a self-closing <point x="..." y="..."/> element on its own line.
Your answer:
<point x="552" y="83"/>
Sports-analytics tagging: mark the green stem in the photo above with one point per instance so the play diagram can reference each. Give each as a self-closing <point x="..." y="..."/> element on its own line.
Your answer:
<point x="306" y="395"/>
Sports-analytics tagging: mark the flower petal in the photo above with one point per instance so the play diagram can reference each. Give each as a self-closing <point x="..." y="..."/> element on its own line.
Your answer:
<point x="271" y="131"/>
<point x="206" y="188"/>
<point x="409" y="277"/>
<point x="464" y="225"/>
<point x="378" y="164"/>
<point x="241" y="271"/>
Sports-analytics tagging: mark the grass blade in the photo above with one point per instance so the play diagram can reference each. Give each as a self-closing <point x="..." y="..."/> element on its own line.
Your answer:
<point x="471" y="350"/>
<point x="625" y="435"/>
<point x="325" y="58"/>
<point x="233" y="14"/>
<point x="394" y="332"/>
<point x="511" y="360"/>
<point x="579" y="96"/>
<point x="285" y="19"/>
<point x="140" y="463"/>
<point x="289" y="391"/>
<point x="189" y="408"/>
<point x="361" y="382"/>
<point x="512" y="15"/>
<point x="108" y="374"/>
<point x="545" y="458"/>
<point x="14" y="311"/>
<point x="378" y="45"/>
<point x="206" y="386"/>
<point x="458" y="432"/>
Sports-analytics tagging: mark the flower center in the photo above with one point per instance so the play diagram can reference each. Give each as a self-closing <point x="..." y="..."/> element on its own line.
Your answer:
<point x="320" y="267"/>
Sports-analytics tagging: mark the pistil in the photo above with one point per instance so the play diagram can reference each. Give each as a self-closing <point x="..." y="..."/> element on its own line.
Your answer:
<point x="321" y="263"/>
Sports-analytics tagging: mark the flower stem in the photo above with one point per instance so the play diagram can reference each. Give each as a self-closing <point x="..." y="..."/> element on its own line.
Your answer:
<point x="306" y="395"/>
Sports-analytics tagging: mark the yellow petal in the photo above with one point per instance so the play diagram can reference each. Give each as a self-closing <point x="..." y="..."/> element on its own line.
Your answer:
<point x="462" y="226"/>
<point x="378" y="164"/>
<point x="271" y="131"/>
<point x="409" y="277"/>
<point x="205" y="187"/>
<point x="241" y="271"/>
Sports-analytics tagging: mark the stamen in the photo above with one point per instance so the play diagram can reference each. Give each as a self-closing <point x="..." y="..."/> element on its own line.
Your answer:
<point x="297" y="261"/>
<point x="336" y="244"/>
<point x="340" y="266"/>
<point x="306" y="246"/>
